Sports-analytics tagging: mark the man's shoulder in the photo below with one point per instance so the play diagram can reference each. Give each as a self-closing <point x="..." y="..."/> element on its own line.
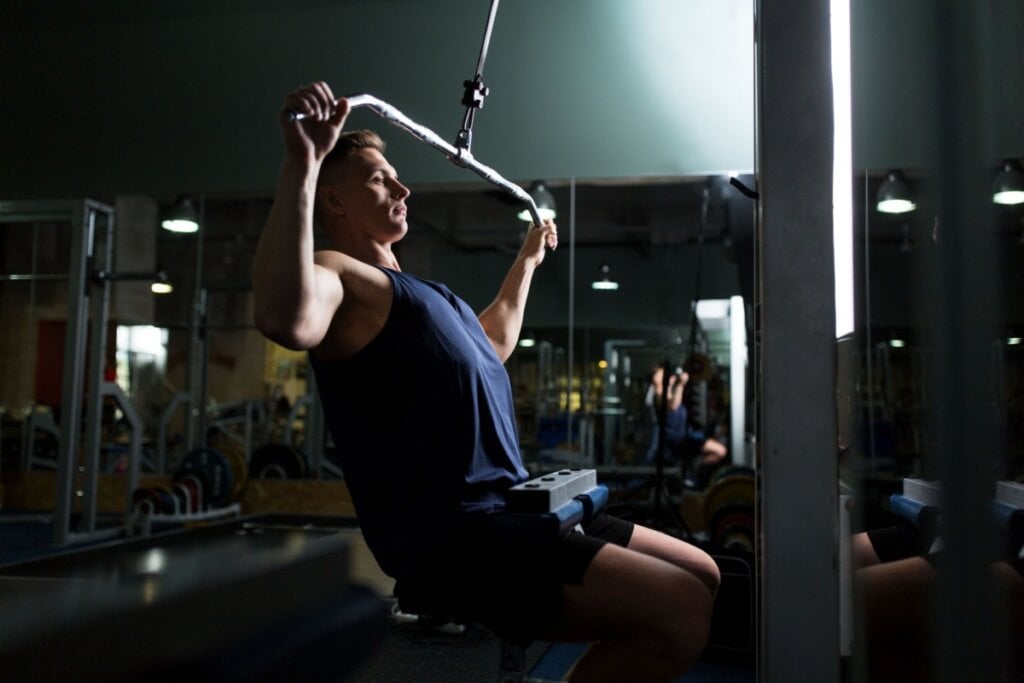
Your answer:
<point x="336" y="260"/>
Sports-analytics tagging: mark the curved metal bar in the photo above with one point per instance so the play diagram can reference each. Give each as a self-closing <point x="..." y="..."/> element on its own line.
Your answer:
<point x="457" y="155"/>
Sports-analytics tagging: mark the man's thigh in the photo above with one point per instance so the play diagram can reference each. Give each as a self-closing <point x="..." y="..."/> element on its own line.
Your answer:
<point x="626" y="594"/>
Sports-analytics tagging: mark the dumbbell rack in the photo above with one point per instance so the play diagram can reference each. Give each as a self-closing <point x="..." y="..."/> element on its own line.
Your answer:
<point x="206" y="486"/>
<point x="140" y="520"/>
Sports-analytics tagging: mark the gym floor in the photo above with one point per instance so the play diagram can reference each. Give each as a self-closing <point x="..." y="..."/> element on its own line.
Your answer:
<point x="408" y="651"/>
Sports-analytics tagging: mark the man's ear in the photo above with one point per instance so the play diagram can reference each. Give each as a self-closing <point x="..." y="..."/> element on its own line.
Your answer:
<point x="329" y="200"/>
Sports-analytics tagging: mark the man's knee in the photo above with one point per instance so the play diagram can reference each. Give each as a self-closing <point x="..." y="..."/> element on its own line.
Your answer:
<point x="685" y="626"/>
<point x="704" y="567"/>
<point x="710" y="574"/>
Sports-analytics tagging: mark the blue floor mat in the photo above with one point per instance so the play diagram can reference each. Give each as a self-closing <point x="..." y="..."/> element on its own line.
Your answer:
<point x="27" y="536"/>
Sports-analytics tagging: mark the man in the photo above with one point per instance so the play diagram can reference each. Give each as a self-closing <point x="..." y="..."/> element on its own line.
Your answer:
<point x="699" y="454"/>
<point x="420" y="407"/>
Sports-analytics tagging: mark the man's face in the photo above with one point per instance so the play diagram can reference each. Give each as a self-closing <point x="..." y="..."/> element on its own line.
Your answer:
<point x="372" y="199"/>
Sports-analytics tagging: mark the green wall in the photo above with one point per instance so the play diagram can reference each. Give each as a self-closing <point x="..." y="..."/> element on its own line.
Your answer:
<point x="160" y="98"/>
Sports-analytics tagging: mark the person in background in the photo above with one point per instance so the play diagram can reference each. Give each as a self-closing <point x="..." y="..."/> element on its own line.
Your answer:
<point x="698" y="453"/>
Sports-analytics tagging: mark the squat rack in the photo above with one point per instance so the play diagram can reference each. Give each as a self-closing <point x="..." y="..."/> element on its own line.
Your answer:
<point x="91" y="249"/>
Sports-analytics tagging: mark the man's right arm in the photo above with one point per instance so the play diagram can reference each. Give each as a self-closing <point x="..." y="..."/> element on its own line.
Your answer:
<point x="675" y="391"/>
<point x="295" y="299"/>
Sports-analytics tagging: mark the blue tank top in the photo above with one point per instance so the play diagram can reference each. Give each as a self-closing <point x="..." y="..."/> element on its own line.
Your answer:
<point x="675" y="425"/>
<point x="423" y="421"/>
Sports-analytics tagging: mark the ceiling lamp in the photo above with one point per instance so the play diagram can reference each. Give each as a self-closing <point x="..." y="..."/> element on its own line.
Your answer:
<point x="544" y="200"/>
<point x="894" y="194"/>
<point x="182" y="217"/>
<point x="1008" y="188"/>
<point x="605" y="282"/>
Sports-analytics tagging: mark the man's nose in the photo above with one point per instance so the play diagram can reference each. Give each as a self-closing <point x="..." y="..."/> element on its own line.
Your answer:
<point x="401" y="191"/>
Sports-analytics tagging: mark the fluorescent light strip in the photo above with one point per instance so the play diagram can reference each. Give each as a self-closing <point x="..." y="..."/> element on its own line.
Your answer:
<point x="842" y="168"/>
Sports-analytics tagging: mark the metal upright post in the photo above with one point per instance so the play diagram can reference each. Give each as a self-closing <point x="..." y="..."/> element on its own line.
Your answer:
<point x="315" y="426"/>
<point x="737" y="381"/>
<point x="798" y="502"/>
<point x="198" y="389"/>
<point x="83" y="225"/>
<point x="963" y="303"/>
<point x="196" y="372"/>
<point x="571" y="362"/>
<point x="81" y="242"/>
<point x="102" y="261"/>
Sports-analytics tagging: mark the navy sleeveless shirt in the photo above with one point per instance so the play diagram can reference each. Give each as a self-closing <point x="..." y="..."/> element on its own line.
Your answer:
<point x="423" y="421"/>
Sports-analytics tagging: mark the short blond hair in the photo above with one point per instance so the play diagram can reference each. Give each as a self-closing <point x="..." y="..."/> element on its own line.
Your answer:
<point x="348" y="142"/>
<point x="352" y="140"/>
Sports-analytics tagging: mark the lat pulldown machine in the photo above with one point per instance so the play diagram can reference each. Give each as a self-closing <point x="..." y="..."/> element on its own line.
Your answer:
<point x="459" y="152"/>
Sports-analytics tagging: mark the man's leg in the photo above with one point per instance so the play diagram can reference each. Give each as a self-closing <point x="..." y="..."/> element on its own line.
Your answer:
<point x="682" y="554"/>
<point x="896" y="602"/>
<point x="647" y="608"/>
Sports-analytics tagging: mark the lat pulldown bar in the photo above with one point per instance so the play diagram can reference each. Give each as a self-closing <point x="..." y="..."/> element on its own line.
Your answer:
<point x="458" y="155"/>
<point x="473" y="99"/>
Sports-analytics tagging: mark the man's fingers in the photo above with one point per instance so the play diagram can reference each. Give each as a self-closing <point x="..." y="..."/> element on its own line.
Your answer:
<point x="326" y="99"/>
<point x="313" y="101"/>
<point x="341" y="109"/>
<point x="299" y="102"/>
<point x="550" y="233"/>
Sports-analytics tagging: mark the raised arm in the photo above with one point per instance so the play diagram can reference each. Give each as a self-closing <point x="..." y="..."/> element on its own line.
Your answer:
<point x="295" y="299"/>
<point x="676" y="384"/>
<point x="502" y="320"/>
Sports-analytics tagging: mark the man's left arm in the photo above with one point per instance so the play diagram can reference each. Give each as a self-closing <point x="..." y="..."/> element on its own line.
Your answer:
<point x="502" y="320"/>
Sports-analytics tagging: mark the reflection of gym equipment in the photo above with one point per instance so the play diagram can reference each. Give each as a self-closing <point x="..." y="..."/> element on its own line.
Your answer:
<point x="226" y="418"/>
<point x="90" y="276"/>
<point x="920" y="506"/>
<point x="180" y="606"/>
<point x="36" y="452"/>
<point x="617" y="375"/>
<point x="218" y="477"/>
<point x="729" y="509"/>
<point x="208" y="484"/>
<point x="277" y="461"/>
<point x="179" y="399"/>
<point x="314" y="430"/>
<point x="732" y="624"/>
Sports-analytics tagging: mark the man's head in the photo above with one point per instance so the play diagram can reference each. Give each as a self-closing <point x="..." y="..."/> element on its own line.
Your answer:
<point x="349" y="141"/>
<point x="357" y="189"/>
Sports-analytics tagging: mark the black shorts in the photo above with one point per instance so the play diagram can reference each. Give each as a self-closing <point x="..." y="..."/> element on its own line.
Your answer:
<point x="896" y="542"/>
<point x="506" y="571"/>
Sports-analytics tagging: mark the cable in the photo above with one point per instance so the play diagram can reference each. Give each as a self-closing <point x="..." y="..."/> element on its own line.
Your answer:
<point x="475" y="90"/>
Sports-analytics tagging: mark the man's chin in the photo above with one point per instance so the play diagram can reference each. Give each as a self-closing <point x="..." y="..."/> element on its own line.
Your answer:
<point x="397" y="231"/>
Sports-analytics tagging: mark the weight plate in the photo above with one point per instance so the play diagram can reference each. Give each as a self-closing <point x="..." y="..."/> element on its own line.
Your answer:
<point x="214" y="467"/>
<point x="730" y="470"/>
<point x="168" y="504"/>
<point x="277" y="461"/>
<point x="239" y="472"/>
<point x="200" y="498"/>
<point x="146" y="500"/>
<point x="738" y="488"/>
